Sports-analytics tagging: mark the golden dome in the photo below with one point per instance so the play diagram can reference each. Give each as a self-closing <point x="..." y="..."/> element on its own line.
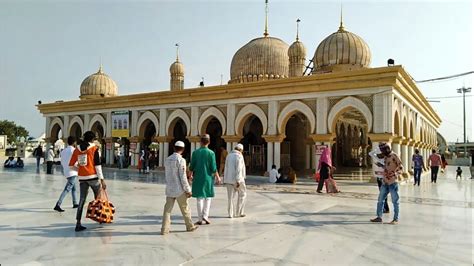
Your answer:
<point x="297" y="49"/>
<point x="260" y="59"/>
<point x="177" y="68"/>
<point x="341" y="50"/>
<point x="98" y="85"/>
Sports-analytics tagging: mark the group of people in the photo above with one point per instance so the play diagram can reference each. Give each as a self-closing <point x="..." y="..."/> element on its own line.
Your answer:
<point x="11" y="162"/>
<point x="81" y="162"/>
<point x="203" y="174"/>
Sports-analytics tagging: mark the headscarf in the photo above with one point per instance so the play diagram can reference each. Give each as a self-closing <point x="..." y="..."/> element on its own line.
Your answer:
<point x="325" y="158"/>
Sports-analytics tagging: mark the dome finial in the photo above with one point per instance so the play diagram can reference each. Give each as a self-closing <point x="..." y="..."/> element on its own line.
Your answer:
<point x="100" y="71"/>
<point x="177" y="52"/>
<point x="266" y="19"/>
<point x="341" y="25"/>
<point x="297" y="29"/>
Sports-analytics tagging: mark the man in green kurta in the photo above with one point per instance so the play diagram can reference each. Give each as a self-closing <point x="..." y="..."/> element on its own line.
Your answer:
<point x="203" y="166"/>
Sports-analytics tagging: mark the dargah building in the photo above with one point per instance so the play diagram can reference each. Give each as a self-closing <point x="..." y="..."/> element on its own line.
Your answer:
<point x="281" y="102"/>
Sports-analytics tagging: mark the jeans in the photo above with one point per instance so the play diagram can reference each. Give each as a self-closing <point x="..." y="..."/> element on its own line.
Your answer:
<point x="183" y="206"/>
<point x="393" y="190"/>
<point x="417" y="175"/>
<point x="120" y="161"/>
<point x="434" y="173"/>
<point x="70" y="187"/>
<point x="84" y="188"/>
<point x="38" y="159"/>
<point x="385" y="204"/>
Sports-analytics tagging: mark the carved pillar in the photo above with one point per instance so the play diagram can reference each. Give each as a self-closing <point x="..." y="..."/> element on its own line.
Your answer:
<point x="109" y="151"/>
<point x="276" y="141"/>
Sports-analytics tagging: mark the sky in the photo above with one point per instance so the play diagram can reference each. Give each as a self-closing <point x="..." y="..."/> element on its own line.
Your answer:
<point x="47" y="48"/>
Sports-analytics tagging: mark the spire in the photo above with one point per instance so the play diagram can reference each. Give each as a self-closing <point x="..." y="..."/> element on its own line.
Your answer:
<point x="297" y="29"/>
<point x="177" y="52"/>
<point x="341" y="25"/>
<point x="100" y="71"/>
<point x="266" y="19"/>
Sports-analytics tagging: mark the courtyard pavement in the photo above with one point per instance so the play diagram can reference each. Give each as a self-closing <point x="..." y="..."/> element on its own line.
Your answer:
<point x="285" y="225"/>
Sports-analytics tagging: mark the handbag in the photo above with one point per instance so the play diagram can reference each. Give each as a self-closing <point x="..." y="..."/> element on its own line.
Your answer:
<point x="101" y="209"/>
<point x="317" y="177"/>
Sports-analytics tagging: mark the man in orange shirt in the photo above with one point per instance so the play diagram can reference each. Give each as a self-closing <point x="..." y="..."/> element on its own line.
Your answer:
<point x="86" y="161"/>
<point x="434" y="161"/>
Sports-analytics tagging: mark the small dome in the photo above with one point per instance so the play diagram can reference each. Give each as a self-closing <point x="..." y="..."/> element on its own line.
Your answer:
<point x="264" y="57"/>
<point x="297" y="49"/>
<point x="98" y="85"/>
<point x="177" y="68"/>
<point x="341" y="50"/>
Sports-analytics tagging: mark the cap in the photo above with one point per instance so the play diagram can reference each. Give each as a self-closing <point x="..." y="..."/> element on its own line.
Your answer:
<point x="384" y="145"/>
<point x="205" y="136"/>
<point x="239" y="147"/>
<point x="179" y="143"/>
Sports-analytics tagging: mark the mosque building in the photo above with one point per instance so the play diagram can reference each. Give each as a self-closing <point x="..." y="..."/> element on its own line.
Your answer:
<point x="281" y="108"/>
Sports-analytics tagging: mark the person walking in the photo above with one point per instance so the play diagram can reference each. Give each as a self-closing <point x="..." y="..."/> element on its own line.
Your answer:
<point x="71" y="175"/>
<point x="325" y="168"/>
<point x="177" y="189"/>
<point x="121" y="156"/>
<point x="378" y="159"/>
<point x="86" y="161"/>
<point x="234" y="180"/>
<point x="38" y="153"/>
<point x="393" y="168"/>
<point x="418" y="166"/>
<point x="434" y="161"/>
<point x="203" y="168"/>
<point x="444" y="163"/>
<point x="49" y="160"/>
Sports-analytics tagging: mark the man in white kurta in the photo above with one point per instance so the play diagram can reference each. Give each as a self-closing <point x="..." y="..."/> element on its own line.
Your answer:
<point x="234" y="180"/>
<point x="177" y="189"/>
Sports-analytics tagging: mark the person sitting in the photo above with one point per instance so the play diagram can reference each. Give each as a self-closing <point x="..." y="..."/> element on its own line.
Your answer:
<point x="10" y="162"/>
<point x="287" y="175"/>
<point x="273" y="175"/>
<point x="459" y="172"/>
<point x="19" y="163"/>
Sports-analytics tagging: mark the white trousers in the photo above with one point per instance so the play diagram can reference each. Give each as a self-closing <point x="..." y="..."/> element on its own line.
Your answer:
<point x="203" y="207"/>
<point x="242" y="194"/>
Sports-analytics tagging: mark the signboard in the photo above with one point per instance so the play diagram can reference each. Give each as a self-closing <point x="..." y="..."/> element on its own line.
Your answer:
<point x="320" y="148"/>
<point x="121" y="124"/>
<point x="20" y="150"/>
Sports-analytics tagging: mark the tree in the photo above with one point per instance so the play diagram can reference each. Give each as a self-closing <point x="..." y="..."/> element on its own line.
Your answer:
<point x="13" y="132"/>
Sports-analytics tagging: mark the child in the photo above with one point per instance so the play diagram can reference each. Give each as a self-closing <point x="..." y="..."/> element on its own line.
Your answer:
<point x="458" y="172"/>
<point x="274" y="175"/>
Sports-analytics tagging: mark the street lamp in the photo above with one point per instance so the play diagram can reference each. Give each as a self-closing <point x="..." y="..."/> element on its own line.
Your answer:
<point x="464" y="90"/>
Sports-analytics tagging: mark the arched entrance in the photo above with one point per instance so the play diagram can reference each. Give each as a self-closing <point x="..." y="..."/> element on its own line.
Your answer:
<point x="255" y="152"/>
<point x="351" y="138"/>
<point x="148" y="131"/>
<point x="179" y="131"/>
<point x="294" y="152"/>
<point x="214" y="129"/>
<point x="76" y="131"/>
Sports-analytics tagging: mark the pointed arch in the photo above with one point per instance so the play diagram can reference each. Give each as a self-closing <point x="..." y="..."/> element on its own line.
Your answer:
<point x="55" y="122"/>
<point x="100" y="119"/>
<point x="148" y="115"/>
<point x="343" y="105"/>
<point x="291" y="109"/>
<point x="207" y="115"/>
<point x="245" y="113"/>
<point x="76" y="120"/>
<point x="176" y="114"/>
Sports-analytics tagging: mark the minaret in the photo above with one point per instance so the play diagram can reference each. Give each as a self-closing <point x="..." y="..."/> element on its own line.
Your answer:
<point x="177" y="73"/>
<point x="297" y="55"/>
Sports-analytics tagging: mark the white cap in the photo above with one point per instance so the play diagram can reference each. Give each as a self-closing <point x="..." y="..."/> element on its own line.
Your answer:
<point x="239" y="147"/>
<point x="179" y="143"/>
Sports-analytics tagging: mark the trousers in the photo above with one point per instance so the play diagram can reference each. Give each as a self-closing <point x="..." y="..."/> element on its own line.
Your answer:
<point x="203" y="207"/>
<point x="385" y="204"/>
<point x="242" y="195"/>
<point x="183" y="206"/>
<point x="70" y="187"/>
<point x="434" y="173"/>
<point x="84" y="190"/>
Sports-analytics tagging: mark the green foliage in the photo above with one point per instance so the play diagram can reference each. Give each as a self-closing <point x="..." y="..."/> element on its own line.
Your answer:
<point x="13" y="132"/>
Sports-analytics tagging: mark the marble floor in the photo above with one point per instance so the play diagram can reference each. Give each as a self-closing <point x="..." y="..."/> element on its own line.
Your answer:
<point x="285" y="225"/>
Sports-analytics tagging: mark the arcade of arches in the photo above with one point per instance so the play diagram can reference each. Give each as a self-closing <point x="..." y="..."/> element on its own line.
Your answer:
<point x="286" y="135"/>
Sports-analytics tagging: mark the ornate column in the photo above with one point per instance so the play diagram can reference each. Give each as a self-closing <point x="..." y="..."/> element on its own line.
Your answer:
<point x="162" y="137"/>
<point x="194" y="140"/>
<point x="396" y="147"/>
<point x="164" y="148"/>
<point x="231" y="141"/>
<point x="135" y="142"/>
<point x="109" y="151"/>
<point x="87" y="119"/>
<point x="404" y="155"/>
<point x="66" y="126"/>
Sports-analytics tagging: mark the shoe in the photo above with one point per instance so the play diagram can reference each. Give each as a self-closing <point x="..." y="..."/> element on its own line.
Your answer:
<point x="386" y="211"/>
<point x="394" y="222"/>
<point x="206" y="220"/>
<point x="58" y="209"/>
<point x="376" y="220"/>
<point x="319" y="191"/>
<point x="242" y="215"/>
<point x="230" y="216"/>
<point x="164" y="233"/>
<point x="80" y="228"/>
<point x="198" y="223"/>
<point x="75" y="206"/>
<point x="193" y="229"/>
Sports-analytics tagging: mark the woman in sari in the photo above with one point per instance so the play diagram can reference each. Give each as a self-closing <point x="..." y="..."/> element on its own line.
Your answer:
<point x="325" y="169"/>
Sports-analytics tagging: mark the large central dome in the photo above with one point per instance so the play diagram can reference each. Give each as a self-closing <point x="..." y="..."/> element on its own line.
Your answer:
<point x="261" y="59"/>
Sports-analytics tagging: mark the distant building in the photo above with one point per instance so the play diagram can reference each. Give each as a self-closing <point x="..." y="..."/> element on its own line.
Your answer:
<point x="273" y="104"/>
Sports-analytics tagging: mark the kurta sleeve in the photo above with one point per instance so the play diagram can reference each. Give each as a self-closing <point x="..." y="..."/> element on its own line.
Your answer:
<point x="182" y="175"/>
<point x="213" y="162"/>
<point x="240" y="169"/>
<point x="192" y="165"/>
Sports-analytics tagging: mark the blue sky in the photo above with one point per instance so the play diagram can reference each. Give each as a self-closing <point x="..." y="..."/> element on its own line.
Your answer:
<point x="48" y="47"/>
